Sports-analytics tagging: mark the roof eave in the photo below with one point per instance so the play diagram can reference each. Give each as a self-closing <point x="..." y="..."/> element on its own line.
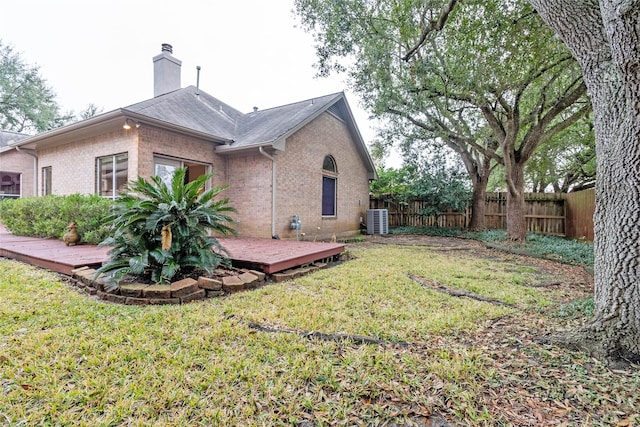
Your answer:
<point x="119" y="114"/>
<point x="142" y="119"/>
<point x="362" y="147"/>
<point x="278" y="145"/>
<point x="30" y="142"/>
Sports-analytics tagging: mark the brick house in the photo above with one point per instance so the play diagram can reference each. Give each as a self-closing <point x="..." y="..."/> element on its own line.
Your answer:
<point x="306" y="158"/>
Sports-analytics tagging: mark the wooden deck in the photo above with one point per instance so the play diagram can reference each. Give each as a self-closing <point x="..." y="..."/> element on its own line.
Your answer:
<point x="267" y="255"/>
<point x="272" y="256"/>
<point x="49" y="253"/>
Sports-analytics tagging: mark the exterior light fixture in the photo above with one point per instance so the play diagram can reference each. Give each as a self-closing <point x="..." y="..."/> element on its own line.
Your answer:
<point x="128" y="122"/>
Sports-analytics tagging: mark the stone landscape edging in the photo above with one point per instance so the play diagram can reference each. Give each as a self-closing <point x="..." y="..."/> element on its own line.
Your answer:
<point x="222" y="282"/>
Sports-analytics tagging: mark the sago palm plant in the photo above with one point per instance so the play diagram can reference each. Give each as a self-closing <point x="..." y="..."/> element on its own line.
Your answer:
<point x="160" y="232"/>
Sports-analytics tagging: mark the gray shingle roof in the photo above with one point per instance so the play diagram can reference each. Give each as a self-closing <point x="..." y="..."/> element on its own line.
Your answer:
<point x="208" y="117"/>
<point x="7" y="136"/>
<point x="267" y="126"/>
<point x="202" y="113"/>
<point x="207" y="114"/>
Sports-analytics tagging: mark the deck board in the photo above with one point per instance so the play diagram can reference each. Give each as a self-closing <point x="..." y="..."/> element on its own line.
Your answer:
<point x="277" y="255"/>
<point x="267" y="255"/>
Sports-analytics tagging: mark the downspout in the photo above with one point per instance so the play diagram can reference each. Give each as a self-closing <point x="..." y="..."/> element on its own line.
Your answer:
<point x="273" y="190"/>
<point x="35" y="167"/>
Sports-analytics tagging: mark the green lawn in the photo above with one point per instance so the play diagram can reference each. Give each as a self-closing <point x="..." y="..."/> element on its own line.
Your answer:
<point x="67" y="359"/>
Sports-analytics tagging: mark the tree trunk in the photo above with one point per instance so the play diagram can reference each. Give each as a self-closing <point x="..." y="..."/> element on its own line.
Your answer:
<point x="479" y="169"/>
<point x="479" y="203"/>
<point x="516" y="206"/>
<point x="604" y="39"/>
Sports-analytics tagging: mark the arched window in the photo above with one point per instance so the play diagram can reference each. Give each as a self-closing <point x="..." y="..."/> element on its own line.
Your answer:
<point x="329" y="178"/>
<point x="329" y="164"/>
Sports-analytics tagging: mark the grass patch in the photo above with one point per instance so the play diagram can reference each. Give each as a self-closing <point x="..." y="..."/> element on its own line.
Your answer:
<point x="74" y="361"/>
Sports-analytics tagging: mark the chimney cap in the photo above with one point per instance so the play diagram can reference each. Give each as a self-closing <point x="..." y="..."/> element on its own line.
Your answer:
<point x="166" y="47"/>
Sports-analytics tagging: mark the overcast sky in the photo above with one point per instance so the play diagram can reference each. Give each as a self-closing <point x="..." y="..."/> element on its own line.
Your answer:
<point x="252" y="52"/>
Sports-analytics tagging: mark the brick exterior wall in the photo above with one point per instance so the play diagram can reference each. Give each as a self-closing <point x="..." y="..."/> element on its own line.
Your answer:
<point x="250" y="193"/>
<point x="140" y="144"/>
<point x="73" y="165"/>
<point x="299" y="182"/>
<point x="22" y="163"/>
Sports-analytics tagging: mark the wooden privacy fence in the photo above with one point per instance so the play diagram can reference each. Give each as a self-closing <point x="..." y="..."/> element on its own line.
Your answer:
<point x="403" y="214"/>
<point x="558" y="214"/>
<point x="544" y="212"/>
<point x="580" y="207"/>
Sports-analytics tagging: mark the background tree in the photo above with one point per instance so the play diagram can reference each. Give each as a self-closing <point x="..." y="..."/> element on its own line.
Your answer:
<point x="374" y="38"/>
<point x="565" y="163"/>
<point x="484" y="70"/>
<point x="438" y="180"/>
<point x="476" y="147"/>
<point x="433" y="177"/>
<point x="91" y="111"/>
<point x="27" y="103"/>
<point x="390" y="181"/>
<point x="603" y="37"/>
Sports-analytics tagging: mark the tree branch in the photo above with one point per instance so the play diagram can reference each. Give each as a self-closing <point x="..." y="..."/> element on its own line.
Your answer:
<point x="436" y="25"/>
<point x="356" y="339"/>
<point x="457" y="292"/>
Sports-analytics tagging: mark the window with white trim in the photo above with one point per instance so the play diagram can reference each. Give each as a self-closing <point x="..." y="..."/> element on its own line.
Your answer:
<point x="112" y="174"/>
<point x="46" y="180"/>
<point x="10" y="185"/>
<point x="165" y="167"/>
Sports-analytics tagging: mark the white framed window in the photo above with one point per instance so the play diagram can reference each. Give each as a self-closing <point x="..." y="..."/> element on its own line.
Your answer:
<point x="46" y="180"/>
<point x="10" y="185"/>
<point x="165" y="167"/>
<point x="112" y="174"/>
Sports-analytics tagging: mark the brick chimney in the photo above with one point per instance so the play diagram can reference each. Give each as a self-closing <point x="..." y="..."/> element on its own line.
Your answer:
<point x="166" y="72"/>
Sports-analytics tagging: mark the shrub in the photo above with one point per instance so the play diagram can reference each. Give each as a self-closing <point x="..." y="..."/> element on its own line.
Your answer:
<point x="430" y="231"/>
<point x="562" y="249"/>
<point x="48" y="216"/>
<point x="576" y="309"/>
<point x="160" y="231"/>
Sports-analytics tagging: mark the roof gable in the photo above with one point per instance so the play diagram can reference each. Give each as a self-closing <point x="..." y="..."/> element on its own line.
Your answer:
<point x="270" y="125"/>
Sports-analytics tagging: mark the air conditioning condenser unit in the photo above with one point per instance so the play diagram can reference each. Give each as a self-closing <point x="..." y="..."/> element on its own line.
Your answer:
<point x="378" y="221"/>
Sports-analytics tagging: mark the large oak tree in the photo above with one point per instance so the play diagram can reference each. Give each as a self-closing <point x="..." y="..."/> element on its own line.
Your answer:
<point x="604" y="37"/>
<point x="457" y="70"/>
